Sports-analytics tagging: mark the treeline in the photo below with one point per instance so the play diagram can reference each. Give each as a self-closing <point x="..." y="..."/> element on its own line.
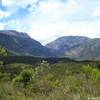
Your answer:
<point x="38" y="60"/>
<point x="32" y="60"/>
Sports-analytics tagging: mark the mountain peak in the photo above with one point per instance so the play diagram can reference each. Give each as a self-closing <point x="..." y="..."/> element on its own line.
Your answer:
<point x="67" y="42"/>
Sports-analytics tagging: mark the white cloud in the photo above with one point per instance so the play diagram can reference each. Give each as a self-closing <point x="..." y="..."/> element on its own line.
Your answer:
<point x="2" y="26"/>
<point x="43" y="32"/>
<point x="96" y="12"/>
<point x="8" y="2"/>
<point x="12" y="6"/>
<point x="51" y="11"/>
<point x="4" y="14"/>
<point x="17" y="3"/>
<point x="53" y="18"/>
<point x="49" y="6"/>
<point x="13" y="25"/>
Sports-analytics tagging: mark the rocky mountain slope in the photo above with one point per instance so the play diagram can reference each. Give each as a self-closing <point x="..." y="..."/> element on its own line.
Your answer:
<point x="77" y="47"/>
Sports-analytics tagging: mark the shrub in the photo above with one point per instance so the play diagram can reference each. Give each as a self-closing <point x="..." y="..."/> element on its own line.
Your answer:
<point x="96" y="74"/>
<point x="42" y="70"/>
<point x="87" y="69"/>
<point x="24" y="77"/>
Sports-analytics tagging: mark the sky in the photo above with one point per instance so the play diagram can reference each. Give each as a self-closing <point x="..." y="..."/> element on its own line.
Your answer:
<point x="46" y="20"/>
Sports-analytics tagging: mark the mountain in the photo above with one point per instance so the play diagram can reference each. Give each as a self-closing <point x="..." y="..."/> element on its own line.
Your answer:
<point x="74" y="47"/>
<point x="77" y="47"/>
<point x="21" y="43"/>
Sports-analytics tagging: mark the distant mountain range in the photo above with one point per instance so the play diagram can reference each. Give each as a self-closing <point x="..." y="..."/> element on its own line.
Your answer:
<point x="74" y="47"/>
<point x="20" y="43"/>
<point x="77" y="47"/>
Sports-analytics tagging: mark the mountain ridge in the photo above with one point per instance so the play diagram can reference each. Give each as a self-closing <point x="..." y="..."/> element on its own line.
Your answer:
<point x="14" y="33"/>
<point x="22" y="44"/>
<point x="73" y="47"/>
<point x="77" y="47"/>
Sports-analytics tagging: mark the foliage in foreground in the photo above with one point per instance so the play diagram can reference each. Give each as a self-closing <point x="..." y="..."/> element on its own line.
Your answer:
<point x="69" y="81"/>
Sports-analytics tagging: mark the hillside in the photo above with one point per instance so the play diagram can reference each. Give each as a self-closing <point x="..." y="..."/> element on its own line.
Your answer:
<point x="21" y="44"/>
<point x="77" y="47"/>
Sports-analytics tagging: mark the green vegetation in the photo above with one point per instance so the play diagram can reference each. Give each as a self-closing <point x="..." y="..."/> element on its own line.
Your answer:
<point x="45" y="81"/>
<point x="3" y="52"/>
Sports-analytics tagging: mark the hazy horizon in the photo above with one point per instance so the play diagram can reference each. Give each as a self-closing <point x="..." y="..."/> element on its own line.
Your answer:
<point x="46" y="20"/>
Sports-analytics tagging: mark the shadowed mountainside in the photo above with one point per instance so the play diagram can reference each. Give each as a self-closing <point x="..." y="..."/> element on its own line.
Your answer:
<point x="21" y="44"/>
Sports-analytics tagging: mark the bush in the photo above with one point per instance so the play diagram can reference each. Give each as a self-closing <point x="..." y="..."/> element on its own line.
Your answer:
<point x="24" y="77"/>
<point x="87" y="69"/>
<point x="42" y="70"/>
<point x="96" y="74"/>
